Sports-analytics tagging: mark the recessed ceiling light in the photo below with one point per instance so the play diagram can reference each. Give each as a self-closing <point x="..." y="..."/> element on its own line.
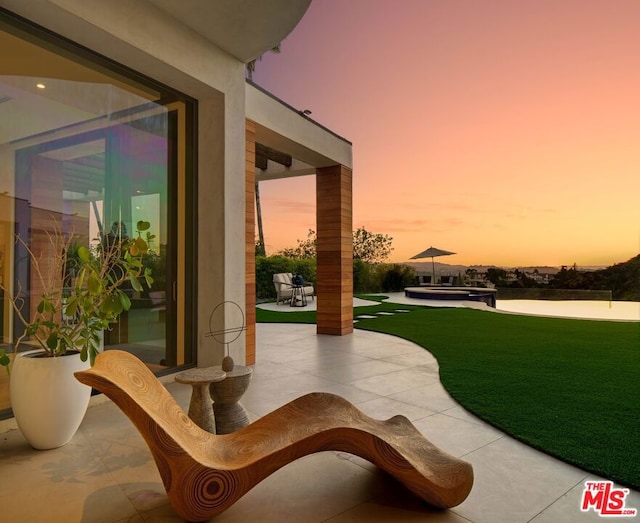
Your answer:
<point x="40" y="86"/>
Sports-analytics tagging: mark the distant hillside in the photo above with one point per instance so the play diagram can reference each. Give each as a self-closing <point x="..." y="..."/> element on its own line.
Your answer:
<point x="444" y="269"/>
<point x="623" y="279"/>
<point x="424" y="267"/>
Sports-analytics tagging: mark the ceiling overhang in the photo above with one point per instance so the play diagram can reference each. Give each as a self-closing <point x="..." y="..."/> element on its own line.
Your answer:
<point x="245" y="29"/>
<point x="287" y="132"/>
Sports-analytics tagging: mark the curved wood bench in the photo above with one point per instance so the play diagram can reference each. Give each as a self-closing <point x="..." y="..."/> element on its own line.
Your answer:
<point x="205" y="474"/>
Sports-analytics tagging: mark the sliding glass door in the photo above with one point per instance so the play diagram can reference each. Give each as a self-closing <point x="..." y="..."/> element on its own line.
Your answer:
<point x="97" y="185"/>
<point x="88" y="149"/>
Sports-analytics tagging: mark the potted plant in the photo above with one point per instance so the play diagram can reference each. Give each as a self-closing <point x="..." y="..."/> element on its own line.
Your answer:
<point x="81" y="294"/>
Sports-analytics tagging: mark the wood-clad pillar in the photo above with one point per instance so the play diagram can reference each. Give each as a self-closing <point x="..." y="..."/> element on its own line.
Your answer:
<point x="250" y="243"/>
<point x="334" y="221"/>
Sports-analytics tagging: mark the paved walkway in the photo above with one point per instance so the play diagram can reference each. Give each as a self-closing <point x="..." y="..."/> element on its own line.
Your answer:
<point x="106" y="473"/>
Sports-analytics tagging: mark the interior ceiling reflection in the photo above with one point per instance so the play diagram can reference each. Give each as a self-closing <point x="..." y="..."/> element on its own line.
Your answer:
<point x="41" y="91"/>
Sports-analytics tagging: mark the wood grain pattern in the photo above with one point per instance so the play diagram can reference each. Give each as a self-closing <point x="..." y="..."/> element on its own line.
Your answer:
<point x="334" y="248"/>
<point x="250" y="243"/>
<point x="205" y="474"/>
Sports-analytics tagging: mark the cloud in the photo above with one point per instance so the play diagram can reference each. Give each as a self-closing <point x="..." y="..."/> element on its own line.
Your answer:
<point x="524" y="212"/>
<point x="275" y="205"/>
<point x="400" y="225"/>
<point x="439" y="205"/>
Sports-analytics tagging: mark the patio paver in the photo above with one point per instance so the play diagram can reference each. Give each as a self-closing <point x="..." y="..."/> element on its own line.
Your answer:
<point x="106" y="473"/>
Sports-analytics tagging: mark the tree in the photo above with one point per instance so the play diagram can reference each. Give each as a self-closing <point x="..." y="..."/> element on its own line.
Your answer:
<point x="304" y="249"/>
<point x="371" y="247"/>
<point x="367" y="246"/>
<point x="251" y="66"/>
<point x="260" y="248"/>
<point x="497" y="276"/>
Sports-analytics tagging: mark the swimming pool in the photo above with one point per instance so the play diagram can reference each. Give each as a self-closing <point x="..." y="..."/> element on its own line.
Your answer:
<point x="600" y="310"/>
<point x="603" y="310"/>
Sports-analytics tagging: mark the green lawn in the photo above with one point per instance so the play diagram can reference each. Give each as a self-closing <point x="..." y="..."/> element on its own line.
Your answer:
<point x="568" y="387"/>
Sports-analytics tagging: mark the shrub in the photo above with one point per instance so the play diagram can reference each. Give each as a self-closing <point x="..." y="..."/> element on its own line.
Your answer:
<point x="267" y="266"/>
<point x="363" y="275"/>
<point x="305" y="267"/>
<point x="396" y="277"/>
<point x="367" y="277"/>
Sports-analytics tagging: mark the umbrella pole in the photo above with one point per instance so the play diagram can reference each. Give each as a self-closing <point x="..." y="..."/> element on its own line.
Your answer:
<point x="433" y="271"/>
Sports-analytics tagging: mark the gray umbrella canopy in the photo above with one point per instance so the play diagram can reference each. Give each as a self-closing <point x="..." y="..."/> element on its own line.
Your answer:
<point x="432" y="252"/>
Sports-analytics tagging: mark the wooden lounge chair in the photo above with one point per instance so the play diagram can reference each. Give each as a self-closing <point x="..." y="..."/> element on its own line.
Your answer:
<point x="204" y="474"/>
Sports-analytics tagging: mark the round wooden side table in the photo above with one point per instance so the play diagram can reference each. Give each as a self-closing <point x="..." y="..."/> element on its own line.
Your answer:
<point x="200" y="409"/>
<point x="226" y="394"/>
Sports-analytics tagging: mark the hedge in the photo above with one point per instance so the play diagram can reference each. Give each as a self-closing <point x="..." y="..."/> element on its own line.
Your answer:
<point x="367" y="277"/>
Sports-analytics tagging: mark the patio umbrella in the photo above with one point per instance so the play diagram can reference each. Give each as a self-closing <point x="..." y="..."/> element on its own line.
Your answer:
<point x="432" y="252"/>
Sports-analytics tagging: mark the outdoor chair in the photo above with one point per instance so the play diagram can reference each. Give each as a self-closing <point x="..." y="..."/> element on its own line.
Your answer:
<point x="448" y="281"/>
<point x="204" y="474"/>
<point x="423" y="280"/>
<point x="283" y="283"/>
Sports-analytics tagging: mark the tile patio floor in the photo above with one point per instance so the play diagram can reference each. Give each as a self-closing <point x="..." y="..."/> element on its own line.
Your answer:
<point x="106" y="473"/>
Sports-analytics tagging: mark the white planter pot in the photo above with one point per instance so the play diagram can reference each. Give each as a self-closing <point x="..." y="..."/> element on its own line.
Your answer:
<point x="48" y="402"/>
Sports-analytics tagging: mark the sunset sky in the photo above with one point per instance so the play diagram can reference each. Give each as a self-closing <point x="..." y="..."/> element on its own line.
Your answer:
<point x="507" y="131"/>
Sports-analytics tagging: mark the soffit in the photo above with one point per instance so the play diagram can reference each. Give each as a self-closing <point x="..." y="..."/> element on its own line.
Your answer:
<point x="290" y="131"/>
<point x="243" y="28"/>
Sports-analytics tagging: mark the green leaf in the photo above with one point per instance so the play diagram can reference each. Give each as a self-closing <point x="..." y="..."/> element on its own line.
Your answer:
<point x="84" y="254"/>
<point x="111" y="305"/>
<point x="143" y="225"/>
<point x="92" y="355"/>
<point x="94" y="284"/>
<point x="140" y="245"/>
<point x="72" y="307"/>
<point x="125" y="301"/>
<point x="5" y="361"/>
<point x="45" y="306"/>
<point x="80" y="280"/>
<point x="52" y="341"/>
<point x="135" y="283"/>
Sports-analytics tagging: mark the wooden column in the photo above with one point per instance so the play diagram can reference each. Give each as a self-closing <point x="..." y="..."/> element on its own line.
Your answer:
<point x="334" y="250"/>
<point x="250" y="249"/>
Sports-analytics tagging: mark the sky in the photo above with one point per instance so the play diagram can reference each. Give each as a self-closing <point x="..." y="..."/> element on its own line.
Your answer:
<point x="506" y="131"/>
